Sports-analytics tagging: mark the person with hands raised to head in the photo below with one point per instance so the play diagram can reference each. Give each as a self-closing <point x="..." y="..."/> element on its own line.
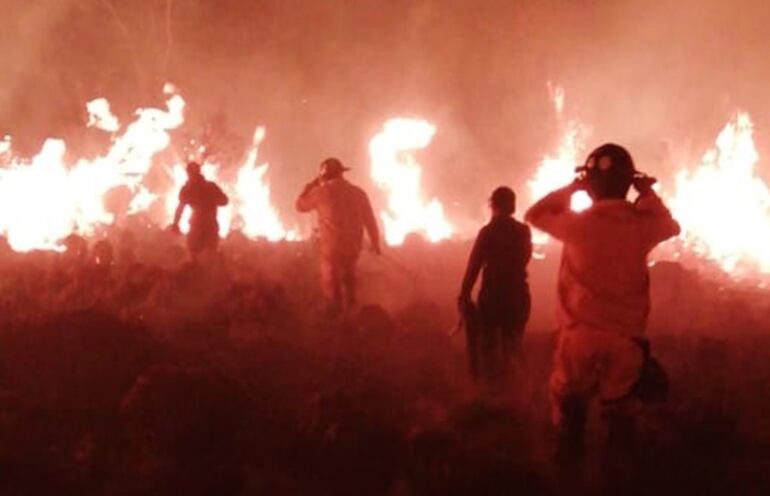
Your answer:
<point x="344" y="213"/>
<point x="603" y="291"/>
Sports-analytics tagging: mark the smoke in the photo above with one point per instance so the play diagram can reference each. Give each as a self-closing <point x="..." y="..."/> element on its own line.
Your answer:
<point x="661" y="77"/>
<point x="23" y="40"/>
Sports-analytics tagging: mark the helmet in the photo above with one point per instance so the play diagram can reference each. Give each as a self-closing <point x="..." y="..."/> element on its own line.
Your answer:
<point x="193" y="169"/>
<point x="332" y="167"/>
<point x="503" y="199"/>
<point x="609" y="172"/>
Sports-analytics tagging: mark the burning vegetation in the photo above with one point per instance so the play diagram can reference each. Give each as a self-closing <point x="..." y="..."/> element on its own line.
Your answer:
<point x="50" y="196"/>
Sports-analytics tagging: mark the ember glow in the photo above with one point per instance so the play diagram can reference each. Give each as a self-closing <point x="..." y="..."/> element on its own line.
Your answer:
<point x="724" y="206"/>
<point x="395" y="169"/>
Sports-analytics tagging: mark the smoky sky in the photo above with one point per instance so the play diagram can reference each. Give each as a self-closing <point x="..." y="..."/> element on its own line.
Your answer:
<point x="662" y="77"/>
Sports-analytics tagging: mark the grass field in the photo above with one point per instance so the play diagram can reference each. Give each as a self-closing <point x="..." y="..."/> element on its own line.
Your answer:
<point x="153" y="378"/>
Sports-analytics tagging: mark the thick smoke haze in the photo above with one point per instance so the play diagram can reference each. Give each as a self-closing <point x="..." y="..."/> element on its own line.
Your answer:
<point x="322" y="76"/>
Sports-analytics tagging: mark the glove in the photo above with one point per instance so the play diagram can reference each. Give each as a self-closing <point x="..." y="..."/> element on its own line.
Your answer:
<point x="579" y="183"/>
<point x="643" y="183"/>
<point x="314" y="183"/>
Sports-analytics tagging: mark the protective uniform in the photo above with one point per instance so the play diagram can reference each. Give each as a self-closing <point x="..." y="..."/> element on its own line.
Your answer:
<point x="603" y="289"/>
<point x="203" y="197"/>
<point x="344" y="211"/>
<point x="502" y="251"/>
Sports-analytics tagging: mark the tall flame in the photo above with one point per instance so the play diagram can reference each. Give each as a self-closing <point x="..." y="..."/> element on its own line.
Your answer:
<point x="250" y="203"/>
<point x="257" y="213"/>
<point x="723" y="206"/>
<point x="395" y="169"/>
<point x="558" y="170"/>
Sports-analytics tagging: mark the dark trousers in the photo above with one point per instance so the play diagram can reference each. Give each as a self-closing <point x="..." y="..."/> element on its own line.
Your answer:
<point x="494" y="332"/>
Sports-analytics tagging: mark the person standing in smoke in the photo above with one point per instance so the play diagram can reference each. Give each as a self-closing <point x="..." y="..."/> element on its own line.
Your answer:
<point x="344" y="212"/>
<point x="204" y="198"/>
<point x="603" y="298"/>
<point x="494" y="329"/>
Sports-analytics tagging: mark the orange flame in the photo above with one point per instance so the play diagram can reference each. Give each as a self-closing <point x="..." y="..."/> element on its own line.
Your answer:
<point x="556" y="171"/>
<point x="395" y="169"/>
<point x="723" y="206"/>
<point x="43" y="200"/>
<point x="259" y="217"/>
<point x="250" y="198"/>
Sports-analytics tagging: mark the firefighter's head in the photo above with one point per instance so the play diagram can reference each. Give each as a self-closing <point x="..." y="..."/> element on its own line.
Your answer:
<point x="331" y="168"/>
<point x="194" y="171"/>
<point x="609" y="172"/>
<point x="503" y="201"/>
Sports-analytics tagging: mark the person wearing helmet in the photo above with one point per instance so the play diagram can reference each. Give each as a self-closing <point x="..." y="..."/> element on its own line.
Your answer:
<point x="603" y="287"/>
<point x="204" y="198"/>
<point x="344" y="212"/>
<point x="502" y="251"/>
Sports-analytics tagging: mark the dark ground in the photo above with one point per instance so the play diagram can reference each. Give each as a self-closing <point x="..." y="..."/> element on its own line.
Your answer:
<point x="155" y="378"/>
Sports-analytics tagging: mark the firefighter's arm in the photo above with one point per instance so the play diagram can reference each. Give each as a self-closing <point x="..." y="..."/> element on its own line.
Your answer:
<point x="658" y="223"/>
<point x="552" y="214"/>
<point x="370" y="224"/>
<point x="308" y="199"/>
<point x="475" y="263"/>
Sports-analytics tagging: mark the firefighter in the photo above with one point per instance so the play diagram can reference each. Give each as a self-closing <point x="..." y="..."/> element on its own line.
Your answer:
<point x="204" y="198"/>
<point x="502" y="251"/>
<point x="603" y="292"/>
<point x="344" y="212"/>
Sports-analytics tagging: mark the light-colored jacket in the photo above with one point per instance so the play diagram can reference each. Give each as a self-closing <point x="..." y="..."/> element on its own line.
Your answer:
<point x="344" y="211"/>
<point x="604" y="279"/>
